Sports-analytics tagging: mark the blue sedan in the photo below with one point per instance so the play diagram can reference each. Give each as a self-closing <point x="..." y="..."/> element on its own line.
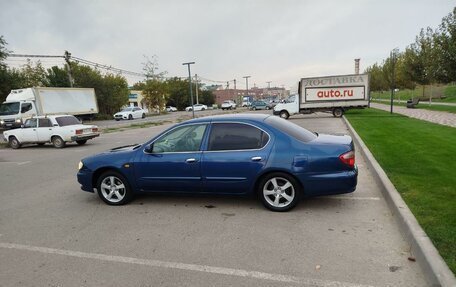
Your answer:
<point x="231" y="154"/>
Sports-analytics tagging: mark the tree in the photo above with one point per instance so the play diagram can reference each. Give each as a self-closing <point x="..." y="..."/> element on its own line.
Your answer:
<point x="445" y="47"/>
<point x="207" y="98"/>
<point x="3" y="52"/>
<point x="155" y="94"/>
<point x="34" y="75"/>
<point x="57" y="77"/>
<point x="150" y="68"/>
<point x="377" y="80"/>
<point x="178" y="93"/>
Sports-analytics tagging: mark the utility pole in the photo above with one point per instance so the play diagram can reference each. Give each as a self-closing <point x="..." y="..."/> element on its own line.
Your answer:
<point x="236" y="95"/>
<point x="247" y="86"/>
<point x="196" y="81"/>
<point x="269" y="84"/>
<point x="393" y="84"/>
<point x="67" y="57"/>
<point x="190" y="86"/>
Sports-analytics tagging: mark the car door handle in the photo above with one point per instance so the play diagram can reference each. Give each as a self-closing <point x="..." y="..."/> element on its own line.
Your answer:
<point x="256" y="158"/>
<point x="190" y="160"/>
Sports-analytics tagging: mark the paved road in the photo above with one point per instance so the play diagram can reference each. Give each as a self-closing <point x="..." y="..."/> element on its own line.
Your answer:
<point x="53" y="234"/>
<point x="442" y="118"/>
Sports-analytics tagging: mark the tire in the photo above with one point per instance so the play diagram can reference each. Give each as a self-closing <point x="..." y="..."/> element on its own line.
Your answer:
<point x="284" y="115"/>
<point x="130" y="117"/>
<point x="117" y="119"/>
<point x="58" y="142"/>
<point x="254" y="109"/>
<point x="279" y="191"/>
<point x="143" y="116"/>
<point x="113" y="188"/>
<point x="338" y="112"/>
<point x="14" y="143"/>
<point x="81" y="142"/>
<point x="203" y="109"/>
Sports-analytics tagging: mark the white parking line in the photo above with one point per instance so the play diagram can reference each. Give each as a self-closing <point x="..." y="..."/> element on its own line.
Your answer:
<point x="184" y="266"/>
<point x="352" y="197"/>
<point x="16" y="162"/>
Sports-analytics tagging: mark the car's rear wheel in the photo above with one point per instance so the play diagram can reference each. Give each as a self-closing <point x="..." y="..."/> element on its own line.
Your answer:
<point x="284" y="115"/>
<point x="58" y="142"/>
<point x="81" y="142"/>
<point x="279" y="191"/>
<point x="113" y="188"/>
<point x="254" y="108"/>
<point x="130" y="116"/>
<point x="14" y="143"/>
<point x="338" y="112"/>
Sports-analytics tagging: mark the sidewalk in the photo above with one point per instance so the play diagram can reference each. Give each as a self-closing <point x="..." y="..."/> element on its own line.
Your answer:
<point x="442" y="118"/>
<point x="421" y="102"/>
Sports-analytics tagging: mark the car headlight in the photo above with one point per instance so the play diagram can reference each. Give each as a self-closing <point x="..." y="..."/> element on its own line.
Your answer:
<point x="18" y="121"/>
<point x="80" y="165"/>
<point x="2" y="122"/>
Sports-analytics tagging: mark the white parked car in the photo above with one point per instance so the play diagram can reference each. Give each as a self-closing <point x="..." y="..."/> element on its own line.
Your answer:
<point x="198" y="107"/>
<point x="57" y="130"/>
<point x="130" y="113"/>
<point x="170" y="109"/>
<point x="228" y="105"/>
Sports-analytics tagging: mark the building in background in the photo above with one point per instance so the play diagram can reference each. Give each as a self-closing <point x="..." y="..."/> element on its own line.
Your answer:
<point x="254" y="93"/>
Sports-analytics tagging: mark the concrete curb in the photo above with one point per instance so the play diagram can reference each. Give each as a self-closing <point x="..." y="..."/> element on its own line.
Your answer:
<point x="433" y="265"/>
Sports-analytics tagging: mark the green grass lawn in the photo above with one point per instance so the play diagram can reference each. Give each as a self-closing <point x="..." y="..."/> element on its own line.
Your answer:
<point x="448" y="92"/>
<point x="423" y="105"/>
<point x="420" y="159"/>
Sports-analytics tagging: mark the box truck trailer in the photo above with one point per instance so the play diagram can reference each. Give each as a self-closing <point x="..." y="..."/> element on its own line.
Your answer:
<point x="22" y="104"/>
<point x="334" y="94"/>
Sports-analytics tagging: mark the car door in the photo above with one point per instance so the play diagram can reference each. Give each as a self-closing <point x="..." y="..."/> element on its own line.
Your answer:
<point x="174" y="161"/>
<point x="137" y="113"/>
<point x="44" y="130"/>
<point x="28" y="132"/>
<point x="236" y="153"/>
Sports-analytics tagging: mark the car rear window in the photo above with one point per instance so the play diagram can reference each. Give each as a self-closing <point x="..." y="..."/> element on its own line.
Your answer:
<point x="291" y="129"/>
<point x="67" y="121"/>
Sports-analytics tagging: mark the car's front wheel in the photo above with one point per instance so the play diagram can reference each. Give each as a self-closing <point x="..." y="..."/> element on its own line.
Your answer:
<point x="284" y="115"/>
<point x="113" y="188"/>
<point x="279" y="191"/>
<point x="14" y="143"/>
<point x="58" y="142"/>
<point x="130" y="116"/>
<point x="143" y="115"/>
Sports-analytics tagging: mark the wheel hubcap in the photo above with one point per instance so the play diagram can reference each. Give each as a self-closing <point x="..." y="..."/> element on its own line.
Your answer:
<point x="278" y="192"/>
<point x="113" y="189"/>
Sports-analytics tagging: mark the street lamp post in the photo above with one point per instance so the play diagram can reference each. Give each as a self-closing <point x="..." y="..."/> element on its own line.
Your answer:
<point x="190" y="86"/>
<point x="393" y="56"/>
<point x="247" y="86"/>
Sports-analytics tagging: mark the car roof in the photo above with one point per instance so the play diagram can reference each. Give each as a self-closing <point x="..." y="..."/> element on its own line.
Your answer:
<point x="51" y="116"/>
<point x="231" y="117"/>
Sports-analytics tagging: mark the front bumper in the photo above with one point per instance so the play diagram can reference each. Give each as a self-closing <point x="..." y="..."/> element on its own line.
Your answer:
<point x="275" y="113"/>
<point x="85" y="179"/>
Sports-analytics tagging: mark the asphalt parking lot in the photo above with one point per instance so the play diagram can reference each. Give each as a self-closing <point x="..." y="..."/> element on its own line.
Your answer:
<point x="53" y="234"/>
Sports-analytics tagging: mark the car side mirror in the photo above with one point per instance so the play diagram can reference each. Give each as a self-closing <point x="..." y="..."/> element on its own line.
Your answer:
<point x="149" y="148"/>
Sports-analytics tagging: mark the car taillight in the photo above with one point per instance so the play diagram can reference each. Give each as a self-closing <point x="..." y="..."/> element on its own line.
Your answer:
<point x="348" y="158"/>
<point x="79" y="132"/>
<point x="94" y="130"/>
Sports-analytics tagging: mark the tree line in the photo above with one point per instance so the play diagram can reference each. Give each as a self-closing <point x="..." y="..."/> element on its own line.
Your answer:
<point x="112" y="90"/>
<point x="431" y="59"/>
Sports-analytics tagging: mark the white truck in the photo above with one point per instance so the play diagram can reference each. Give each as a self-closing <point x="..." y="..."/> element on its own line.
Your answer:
<point x="22" y="104"/>
<point x="334" y="94"/>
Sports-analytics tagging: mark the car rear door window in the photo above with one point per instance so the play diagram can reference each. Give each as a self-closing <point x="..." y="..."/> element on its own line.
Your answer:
<point x="236" y="136"/>
<point x="44" y="123"/>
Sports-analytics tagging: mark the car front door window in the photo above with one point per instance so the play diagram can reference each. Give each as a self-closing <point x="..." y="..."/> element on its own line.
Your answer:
<point x="182" y="139"/>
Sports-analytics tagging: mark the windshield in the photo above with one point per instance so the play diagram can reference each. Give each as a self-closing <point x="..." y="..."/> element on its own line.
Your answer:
<point x="127" y="110"/>
<point x="9" y="109"/>
<point x="67" y="121"/>
<point x="291" y="99"/>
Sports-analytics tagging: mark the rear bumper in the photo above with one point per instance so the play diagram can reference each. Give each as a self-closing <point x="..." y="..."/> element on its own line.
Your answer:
<point x="329" y="184"/>
<point x="84" y="137"/>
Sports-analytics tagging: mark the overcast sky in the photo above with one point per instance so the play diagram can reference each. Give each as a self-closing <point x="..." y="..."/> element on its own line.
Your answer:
<point x="279" y="41"/>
